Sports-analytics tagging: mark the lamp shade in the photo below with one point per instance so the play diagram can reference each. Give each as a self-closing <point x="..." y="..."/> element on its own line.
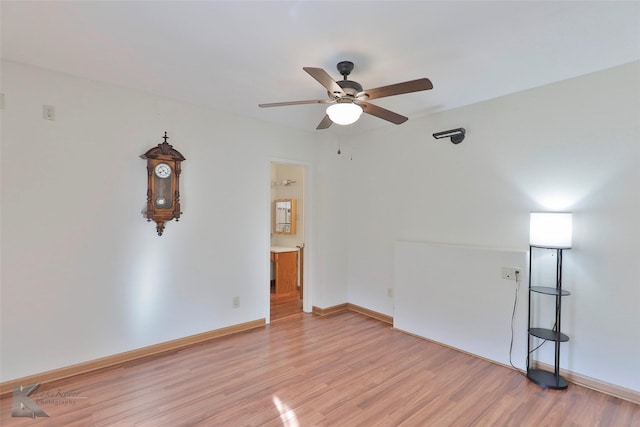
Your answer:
<point x="344" y="113"/>
<point x="551" y="229"/>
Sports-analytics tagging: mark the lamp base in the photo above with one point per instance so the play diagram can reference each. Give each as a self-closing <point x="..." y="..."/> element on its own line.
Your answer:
<point x="547" y="379"/>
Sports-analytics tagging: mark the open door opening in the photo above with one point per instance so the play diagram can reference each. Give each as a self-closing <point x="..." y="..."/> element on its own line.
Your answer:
<point x="287" y="240"/>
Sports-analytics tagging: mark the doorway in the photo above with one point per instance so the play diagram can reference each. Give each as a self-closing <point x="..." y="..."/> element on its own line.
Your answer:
<point x="287" y="256"/>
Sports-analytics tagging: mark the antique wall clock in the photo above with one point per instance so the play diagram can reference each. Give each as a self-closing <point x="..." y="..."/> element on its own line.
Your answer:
<point x="163" y="184"/>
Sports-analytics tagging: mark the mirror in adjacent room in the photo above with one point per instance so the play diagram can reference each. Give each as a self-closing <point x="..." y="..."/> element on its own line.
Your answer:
<point x="284" y="216"/>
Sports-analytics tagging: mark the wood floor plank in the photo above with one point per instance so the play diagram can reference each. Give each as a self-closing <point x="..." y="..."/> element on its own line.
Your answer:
<point x="304" y="370"/>
<point x="285" y="305"/>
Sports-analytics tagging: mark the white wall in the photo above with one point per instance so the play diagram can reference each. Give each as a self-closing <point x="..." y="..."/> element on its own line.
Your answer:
<point x="433" y="283"/>
<point x="570" y="146"/>
<point x="331" y="224"/>
<point x="83" y="274"/>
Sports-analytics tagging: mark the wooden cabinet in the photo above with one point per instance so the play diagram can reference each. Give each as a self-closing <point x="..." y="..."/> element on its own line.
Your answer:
<point x="286" y="271"/>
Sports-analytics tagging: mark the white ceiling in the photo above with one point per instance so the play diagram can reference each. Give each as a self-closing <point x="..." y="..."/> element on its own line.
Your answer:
<point x="232" y="55"/>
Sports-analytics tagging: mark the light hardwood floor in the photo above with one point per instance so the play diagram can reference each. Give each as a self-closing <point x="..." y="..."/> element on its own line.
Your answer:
<point x="283" y="306"/>
<point x="341" y="370"/>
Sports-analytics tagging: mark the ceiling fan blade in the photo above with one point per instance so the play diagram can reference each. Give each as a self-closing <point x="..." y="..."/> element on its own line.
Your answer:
<point x="282" y="104"/>
<point x="397" y="89"/>
<point x="325" y="123"/>
<point x="382" y="113"/>
<point x="325" y="80"/>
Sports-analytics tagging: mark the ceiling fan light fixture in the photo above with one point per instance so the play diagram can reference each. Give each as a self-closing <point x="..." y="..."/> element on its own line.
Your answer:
<point x="344" y="113"/>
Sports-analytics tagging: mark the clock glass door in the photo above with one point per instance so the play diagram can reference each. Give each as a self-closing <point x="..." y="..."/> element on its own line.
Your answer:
<point x="163" y="184"/>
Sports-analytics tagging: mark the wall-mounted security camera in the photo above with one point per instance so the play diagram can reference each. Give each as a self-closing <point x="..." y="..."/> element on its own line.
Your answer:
<point x="456" y="135"/>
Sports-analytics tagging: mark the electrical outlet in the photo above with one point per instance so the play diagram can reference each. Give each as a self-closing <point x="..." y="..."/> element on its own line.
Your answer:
<point x="509" y="273"/>
<point x="390" y="292"/>
<point x="236" y="302"/>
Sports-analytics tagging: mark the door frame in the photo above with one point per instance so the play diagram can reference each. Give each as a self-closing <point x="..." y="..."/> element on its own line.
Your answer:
<point x="308" y="219"/>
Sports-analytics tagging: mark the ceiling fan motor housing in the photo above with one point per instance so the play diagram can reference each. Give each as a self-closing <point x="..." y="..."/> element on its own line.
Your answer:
<point x="349" y="87"/>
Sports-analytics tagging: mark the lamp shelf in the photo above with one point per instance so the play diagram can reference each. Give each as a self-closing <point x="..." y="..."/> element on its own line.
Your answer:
<point x="550" y="291"/>
<point x="547" y="379"/>
<point x="548" y="334"/>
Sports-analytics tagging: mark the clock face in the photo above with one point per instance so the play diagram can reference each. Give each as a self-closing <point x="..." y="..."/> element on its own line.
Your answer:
<point x="163" y="170"/>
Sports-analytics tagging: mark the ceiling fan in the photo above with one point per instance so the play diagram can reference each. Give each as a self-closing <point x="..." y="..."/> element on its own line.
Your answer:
<point x="348" y="100"/>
